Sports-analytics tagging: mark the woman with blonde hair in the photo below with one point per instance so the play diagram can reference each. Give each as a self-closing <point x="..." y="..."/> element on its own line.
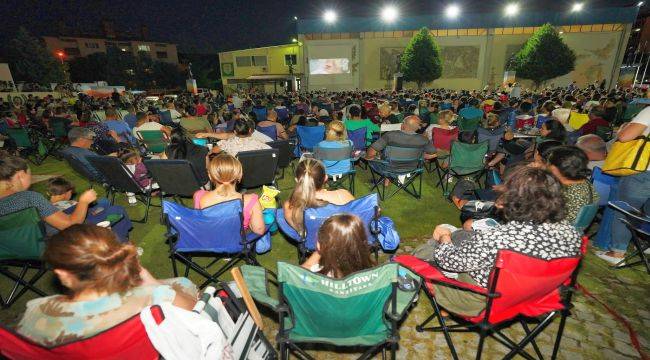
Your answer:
<point x="336" y="137"/>
<point x="342" y="247"/>
<point x="225" y="172"/>
<point x="310" y="192"/>
<point x="106" y="285"/>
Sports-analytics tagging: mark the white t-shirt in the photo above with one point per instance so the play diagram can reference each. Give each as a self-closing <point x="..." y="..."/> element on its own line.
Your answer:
<point x="152" y="125"/>
<point x="643" y="118"/>
<point x="176" y="116"/>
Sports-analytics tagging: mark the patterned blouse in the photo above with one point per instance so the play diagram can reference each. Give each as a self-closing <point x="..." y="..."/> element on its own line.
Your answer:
<point x="577" y="196"/>
<point x="54" y="320"/>
<point x="236" y="144"/>
<point x="476" y="256"/>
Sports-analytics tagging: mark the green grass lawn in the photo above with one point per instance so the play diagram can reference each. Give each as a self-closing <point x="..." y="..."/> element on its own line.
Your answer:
<point x="625" y="290"/>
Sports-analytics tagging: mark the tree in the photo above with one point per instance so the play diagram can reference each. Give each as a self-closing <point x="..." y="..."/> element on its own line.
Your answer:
<point x="31" y="62"/>
<point x="89" y="68"/>
<point x="544" y="56"/>
<point x="421" y="59"/>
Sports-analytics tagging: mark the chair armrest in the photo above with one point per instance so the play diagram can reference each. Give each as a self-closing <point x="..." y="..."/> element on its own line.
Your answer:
<point x="433" y="275"/>
<point x="258" y="281"/>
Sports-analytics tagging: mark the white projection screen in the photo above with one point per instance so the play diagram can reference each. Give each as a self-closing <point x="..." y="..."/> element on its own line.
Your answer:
<point x="329" y="66"/>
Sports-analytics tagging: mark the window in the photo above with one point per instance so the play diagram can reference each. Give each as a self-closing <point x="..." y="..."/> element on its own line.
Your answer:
<point x="259" y="60"/>
<point x="243" y="61"/>
<point x="161" y="54"/>
<point x="144" y="48"/>
<point x="72" y="51"/>
<point x="92" y="45"/>
<point x="290" y="59"/>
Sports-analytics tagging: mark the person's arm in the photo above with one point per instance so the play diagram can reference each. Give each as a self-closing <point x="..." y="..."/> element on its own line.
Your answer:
<point x="463" y="258"/>
<point x="282" y="134"/>
<point x="256" y="224"/>
<point x="288" y="214"/>
<point x="181" y="299"/>
<point x="61" y="220"/>
<point x="376" y="147"/>
<point x="314" y="259"/>
<point x="630" y="132"/>
<point x="219" y="136"/>
<point x="114" y="135"/>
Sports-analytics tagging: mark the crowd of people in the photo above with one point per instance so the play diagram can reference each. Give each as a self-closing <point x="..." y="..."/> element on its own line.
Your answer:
<point x="546" y="176"/>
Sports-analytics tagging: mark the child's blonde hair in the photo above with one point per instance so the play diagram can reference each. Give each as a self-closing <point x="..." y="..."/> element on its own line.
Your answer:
<point x="336" y="131"/>
<point x="225" y="169"/>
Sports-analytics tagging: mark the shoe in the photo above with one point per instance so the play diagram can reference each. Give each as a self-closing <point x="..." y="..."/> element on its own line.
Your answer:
<point x="610" y="259"/>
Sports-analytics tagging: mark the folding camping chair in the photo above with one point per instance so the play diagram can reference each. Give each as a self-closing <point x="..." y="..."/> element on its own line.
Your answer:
<point x="313" y="308"/>
<point x="285" y="154"/>
<point x="155" y="141"/>
<point x="465" y="160"/>
<point x="585" y="217"/>
<point x="120" y="179"/>
<point x="521" y="289"/>
<point x="338" y="165"/>
<point x="174" y="178"/>
<point x="60" y="134"/>
<point x="22" y="242"/>
<point x="402" y="166"/>
<point x="29" y="144"/>
<point x="638" y="223"/>
<point x="260" y="113"/>
<point x="127" y="340"/>
<point x="166" y="118"/>
<point x="492" y="136"/>
<point x="81" y="168"/>
<point x="308" y="138"/>
<point x="442" y="139"/>
<point x="358" y="138"/>
<point x="270" y="131"/>
<point x="191" y="234"/>
<point x="469" y="124"/>
<point x="259" y="167"/>
<point x="366" y="208"/>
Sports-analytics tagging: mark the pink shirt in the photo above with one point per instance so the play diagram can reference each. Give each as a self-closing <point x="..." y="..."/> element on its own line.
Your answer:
<point x="248" y="208"/>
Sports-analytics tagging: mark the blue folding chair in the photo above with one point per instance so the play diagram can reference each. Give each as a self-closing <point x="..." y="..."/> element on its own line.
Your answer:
<point x="492" y="136"/>
<point x="166" y="118"/>
<point x="604" y="184"/>
<point x="283" y="114"/>
<point x="308" y="138"/>
<point x="638" y="223"/>
<point x="402" y="166"/>
<point x="260" y="113"/>
<point x="338" y="165"/>
<point x="358" y="138"/>
<point x="191" y="233"/>
<point x="270" y="131"/>
<point x="366" y="208"/>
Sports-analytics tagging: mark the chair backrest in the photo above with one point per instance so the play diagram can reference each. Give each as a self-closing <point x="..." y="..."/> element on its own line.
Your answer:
<point x="166" y="118"/>
<point x="270" y="131"/>
<point x="196" y="227"/>
<point x="523" y="121"/>
<point x="284" y="152"/>
<point x="127" y="340"/>
<point x="336" y="160"/>
<point x="309" y="136"/>
<point x="174" y="177"/>
<point x="390" y="127"/>
<point x="260" y="113"/>
<point x="585" y="217"/>
<point x="99" y="115"/>
<point x="366" y="208"/>
<point x="21" y="137"/>
<point x="468" y="156"/>
<point x="58" y="129"/>
<point x="603" y="184"/>
<point x="404" y="158"/>
<point x="349" y="311"/>
<point x="469" y="124"/>
<point x="195" y="124"/>
<point x="22" y="235"/>
<point x="118" y="176"/>
<point x="81" y="168"/>
<point x="527" y="285"/>
<point x="283" y="113"/>
<point x="442" y="138"/>
<point x="154" y="140"/>
<point x="541" y="119"/>
<point x="259" y="167"/>
<point x="358" y="138"/>
<point x="492" y="136"/>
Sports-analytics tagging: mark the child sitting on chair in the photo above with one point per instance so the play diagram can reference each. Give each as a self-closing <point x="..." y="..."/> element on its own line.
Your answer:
<point x="342" y="247"/>
<point x="60" y="192"/>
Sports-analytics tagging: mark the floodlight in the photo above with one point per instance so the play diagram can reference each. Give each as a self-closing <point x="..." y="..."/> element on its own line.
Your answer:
<point x="389" y="14"/>
<point x="637" y="29"/>
<point x="294" y="40"/>
<point x="512" y="9"/>
<point x="640" y="3"/>
<point x="329" y="16"/>
<point x="577" y="7"/>
<point x="295" y="18"/>
<point x="452" y="11"/>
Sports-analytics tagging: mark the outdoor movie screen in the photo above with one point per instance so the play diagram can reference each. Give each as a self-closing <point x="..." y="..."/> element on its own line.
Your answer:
<point x="329" y="66"/>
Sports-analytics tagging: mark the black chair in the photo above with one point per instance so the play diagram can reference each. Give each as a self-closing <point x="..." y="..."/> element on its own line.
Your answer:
<point x="82" y="169"/>
<point x="174" y="178"/>
<point x="285" y="155"/>
<point x="402" y="166"/>
<point x="638" y="223"/>
<point x="120" y="179"/>
<point x="259" y="167"/>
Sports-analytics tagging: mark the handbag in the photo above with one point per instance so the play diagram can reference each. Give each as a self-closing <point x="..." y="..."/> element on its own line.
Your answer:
<point x="628" y="158"/>
<point x="388" y="236"/>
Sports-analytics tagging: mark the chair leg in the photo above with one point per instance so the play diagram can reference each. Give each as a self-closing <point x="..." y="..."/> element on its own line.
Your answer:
<point x="560" y="331"/>
<point x="174" y="268"/>
<point x="481" y="342"/>
<point x="535" y="347"/>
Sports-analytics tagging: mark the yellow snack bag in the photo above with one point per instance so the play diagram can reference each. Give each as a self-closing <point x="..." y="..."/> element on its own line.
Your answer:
<point x="267" y="200"/>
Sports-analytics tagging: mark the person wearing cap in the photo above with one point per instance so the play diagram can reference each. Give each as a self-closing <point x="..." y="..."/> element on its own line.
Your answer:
<point x="81" y="139"/>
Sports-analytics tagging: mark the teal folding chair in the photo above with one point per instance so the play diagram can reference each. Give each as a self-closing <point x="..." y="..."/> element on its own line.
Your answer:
<point x="465" y="160"/>
<point x="585" y="217"/>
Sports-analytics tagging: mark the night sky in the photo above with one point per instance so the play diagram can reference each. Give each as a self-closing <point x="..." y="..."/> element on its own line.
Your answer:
<point x="210" y="26"/>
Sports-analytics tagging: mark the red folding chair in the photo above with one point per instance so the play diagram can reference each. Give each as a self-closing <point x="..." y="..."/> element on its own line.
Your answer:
<point x="521" y="288"/>
<point x="442" y="139"/>
<point x="126" y="341"/>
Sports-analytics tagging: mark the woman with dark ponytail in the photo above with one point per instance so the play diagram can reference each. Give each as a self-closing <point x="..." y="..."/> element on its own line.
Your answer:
<point x="569" y="165"/>
<point x="105" y="285"/>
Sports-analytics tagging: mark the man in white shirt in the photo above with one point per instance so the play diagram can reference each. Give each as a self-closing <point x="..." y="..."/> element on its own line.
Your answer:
<point x="176" y="116"/>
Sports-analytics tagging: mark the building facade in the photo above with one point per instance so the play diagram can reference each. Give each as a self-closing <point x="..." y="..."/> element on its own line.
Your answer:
<point x="364" y="53"/>
<point x="272" y="68"/>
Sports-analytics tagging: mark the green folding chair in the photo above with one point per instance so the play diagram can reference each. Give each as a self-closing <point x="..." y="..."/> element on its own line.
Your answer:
<point x="631" y="111"/>
<point x="585" y="217"/>
<point x="21" y="244"/>
<point x="30" y="145"/>
<point x="195" y="124"/>
<point x="155" y="141"/>
<point x="360" y="310"/>
<point x="469" y="124"/>
<point x="465" y="160"/>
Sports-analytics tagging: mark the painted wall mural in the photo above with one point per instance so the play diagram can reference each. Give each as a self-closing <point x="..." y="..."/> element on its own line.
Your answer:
<point x="389" y="58"/>
<point x="460" y="61"/>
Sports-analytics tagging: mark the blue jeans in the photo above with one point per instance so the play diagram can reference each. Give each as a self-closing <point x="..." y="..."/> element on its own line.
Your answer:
<point x="634" y="190"/>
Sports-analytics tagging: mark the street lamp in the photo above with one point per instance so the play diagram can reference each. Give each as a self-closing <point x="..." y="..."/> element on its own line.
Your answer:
<point x="61" y="55"/>
<point x="389" y="14"/>
<point x="329" y="16"/>
<point x="452" y="11"/>
<point x="577" y="7"/>
<point x="512" y="9"/>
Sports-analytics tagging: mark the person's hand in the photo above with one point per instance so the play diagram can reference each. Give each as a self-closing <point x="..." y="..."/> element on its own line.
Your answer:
<point x="215" y="150"/>
<point x="201" y="135"/>
<point x="442" y="233"/>
<point x="88" y="196"/>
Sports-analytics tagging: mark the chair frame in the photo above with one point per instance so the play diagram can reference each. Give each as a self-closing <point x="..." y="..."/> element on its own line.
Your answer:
<point x="639" y="248"/>
<point x="485" y="328"/>
<point x="31" y="152"/>
<point x="449" y="171"/>
<point x="408" y="185"/>
<point x="335" y="182"/>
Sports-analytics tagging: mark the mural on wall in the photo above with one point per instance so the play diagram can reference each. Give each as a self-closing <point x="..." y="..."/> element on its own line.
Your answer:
<point x="389" y="58"/>
<point x="460" y="61"/>
<point x="592" y="63"/>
